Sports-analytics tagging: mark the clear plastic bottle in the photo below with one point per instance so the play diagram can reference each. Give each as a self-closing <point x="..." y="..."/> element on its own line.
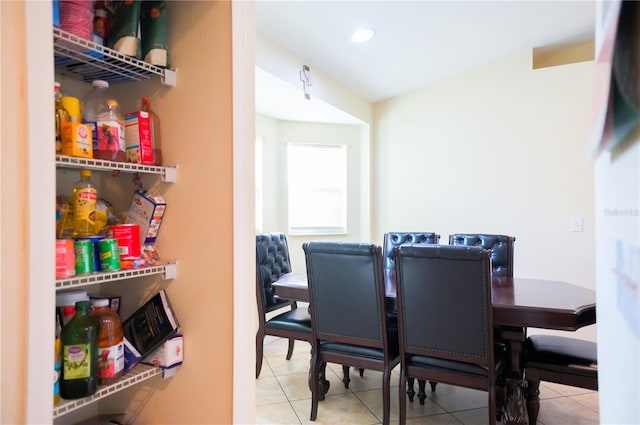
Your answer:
<point x="61" y="116"/>
<point x="85" y="197"/>
<point x="155" y="131"/>
<point x="78" y="376"/>
<point x="102" y="112"/>
<point x="110" y="342"/>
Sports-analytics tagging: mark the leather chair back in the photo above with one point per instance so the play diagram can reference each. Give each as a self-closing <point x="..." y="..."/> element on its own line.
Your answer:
<point x="272" y="261"/>
<point x="346" y="292"/>
<point x="444" y="302"/>
<point x="501" y="247"/>
<point x="393" y="239"/>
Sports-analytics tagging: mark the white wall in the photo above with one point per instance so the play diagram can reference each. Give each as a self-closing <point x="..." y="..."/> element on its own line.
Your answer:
<point x="283" y="64"/>
<point x="617" y="204"/>
<point x="276" y="134"/>
<point x="501" y="149"/>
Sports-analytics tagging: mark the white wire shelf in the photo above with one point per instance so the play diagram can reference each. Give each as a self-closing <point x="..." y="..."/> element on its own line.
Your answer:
<point x="138" y="374"/>
<point x="169" y="270"/>
<point x="83" y="59"/>
<point x="169" y="174"/>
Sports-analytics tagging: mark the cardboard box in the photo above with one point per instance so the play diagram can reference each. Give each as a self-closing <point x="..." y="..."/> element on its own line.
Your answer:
<point x="147" y="329"/>
<point x="170" y="354"/>
<point x="137" y="137"/>
<point x="146" y="211"/>
<point x="77" y="140"/>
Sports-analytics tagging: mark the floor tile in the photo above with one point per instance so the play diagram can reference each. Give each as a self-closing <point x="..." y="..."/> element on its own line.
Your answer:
<point x="269" y="391"/>
<point x="279" y="413"/>
<point x="283" y="397"/>
<point x="442" y="419"/>
<point x="565" y="410"/>
<point x="453" y="399"/>
<point x="336" y="409"/>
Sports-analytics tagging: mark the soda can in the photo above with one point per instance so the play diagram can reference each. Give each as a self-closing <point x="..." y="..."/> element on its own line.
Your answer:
<point x="109" y="255"/>
<point x="96" y="252"/>
<point x="84" y="256"/>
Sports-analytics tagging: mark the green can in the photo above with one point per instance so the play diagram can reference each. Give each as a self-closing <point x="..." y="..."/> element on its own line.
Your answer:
<point x="109" y="255"/>
<point x="84" y="256"/>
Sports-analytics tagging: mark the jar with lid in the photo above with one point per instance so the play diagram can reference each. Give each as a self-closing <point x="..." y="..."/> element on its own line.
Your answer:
<point x="102" y="112"/>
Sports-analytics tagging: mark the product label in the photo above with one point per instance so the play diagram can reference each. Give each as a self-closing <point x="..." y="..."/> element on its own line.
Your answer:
<point x="110" y="360"/>
<point x="110" y="136"/>
<point x="76" y="361"/>
<point x="84" y="208"/>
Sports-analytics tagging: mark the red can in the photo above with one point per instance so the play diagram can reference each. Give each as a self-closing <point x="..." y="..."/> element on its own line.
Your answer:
<point x="65" y="258"/>
<point x="128" y="236"/>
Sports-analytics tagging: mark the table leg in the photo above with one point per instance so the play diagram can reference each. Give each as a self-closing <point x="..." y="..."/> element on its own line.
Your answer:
<point x="513" y="409"/>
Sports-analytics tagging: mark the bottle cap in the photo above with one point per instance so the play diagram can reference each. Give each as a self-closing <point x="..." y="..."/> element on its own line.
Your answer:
<point x="100" y="302"/>
<point x="85" y="173"/>
<point x="100" y="83"/>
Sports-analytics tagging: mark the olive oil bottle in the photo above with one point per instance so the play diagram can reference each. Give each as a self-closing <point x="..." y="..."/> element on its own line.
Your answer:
<point x="79" y="355"/>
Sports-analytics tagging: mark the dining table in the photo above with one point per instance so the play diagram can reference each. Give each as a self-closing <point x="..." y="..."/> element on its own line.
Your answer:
<point x="518" y="304"/>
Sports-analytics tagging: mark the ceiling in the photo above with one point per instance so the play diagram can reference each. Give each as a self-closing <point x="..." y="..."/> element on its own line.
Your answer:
<point x="416" y="43"/>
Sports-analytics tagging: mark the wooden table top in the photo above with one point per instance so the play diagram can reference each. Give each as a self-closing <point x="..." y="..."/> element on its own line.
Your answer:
<point x="523" y="302"/>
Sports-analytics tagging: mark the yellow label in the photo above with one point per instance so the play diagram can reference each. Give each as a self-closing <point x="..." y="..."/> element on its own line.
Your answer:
<point x="84" y="208"/>
<point x="77" y="140"/>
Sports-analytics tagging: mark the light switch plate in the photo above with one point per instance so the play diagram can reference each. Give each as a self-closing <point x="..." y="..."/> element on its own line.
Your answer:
<point x="575" y="224"/>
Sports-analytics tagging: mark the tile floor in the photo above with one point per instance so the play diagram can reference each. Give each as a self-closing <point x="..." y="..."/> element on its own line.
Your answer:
<point x="283" y="397"/>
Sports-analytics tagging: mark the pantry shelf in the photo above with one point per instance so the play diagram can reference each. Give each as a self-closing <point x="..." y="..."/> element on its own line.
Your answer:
<point x="169" y="174"/>
<point x="138" y="374"/>
<point x="82" y="59"/>
<point x="169" y="270"/>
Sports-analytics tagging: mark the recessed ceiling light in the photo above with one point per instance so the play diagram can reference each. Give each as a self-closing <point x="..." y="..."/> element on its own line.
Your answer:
<point x="362" y="35"/>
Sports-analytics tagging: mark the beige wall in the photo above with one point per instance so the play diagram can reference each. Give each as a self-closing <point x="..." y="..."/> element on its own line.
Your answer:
<point x="13" y="269"/>
<point x="501" y="149"/>
<point x="198" y="231"/>
<point x="196" y="118"/>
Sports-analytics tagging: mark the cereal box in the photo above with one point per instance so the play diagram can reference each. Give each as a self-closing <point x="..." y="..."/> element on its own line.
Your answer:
<point x="147" y="211"/>
<point x="137" y="136"/>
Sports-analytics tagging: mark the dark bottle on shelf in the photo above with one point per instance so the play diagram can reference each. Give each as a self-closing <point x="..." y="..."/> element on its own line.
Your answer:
<point x="79" y="355"/>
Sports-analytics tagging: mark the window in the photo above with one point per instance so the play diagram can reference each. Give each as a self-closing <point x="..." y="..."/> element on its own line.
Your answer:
<point x="317" y="188"/>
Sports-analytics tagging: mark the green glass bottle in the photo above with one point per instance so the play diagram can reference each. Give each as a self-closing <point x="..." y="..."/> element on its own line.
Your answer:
<point x="79" y="355"/>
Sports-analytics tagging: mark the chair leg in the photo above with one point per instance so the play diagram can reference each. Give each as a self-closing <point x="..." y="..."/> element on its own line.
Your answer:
<point x="314" y="373"/>
<point x="259" y="342"/>
<point x="501" y="395"/>
<point x="386" y="395"/>
<point x="402" y="387"/>
<point x="492" y="405"/>
<point x="433" y="386"/>
<point x="290" y="349"/>
<point x="410" y="390"/>
<point x="533" y="401"/>
<point x="422" y="395"/>
<point x="345" y="376"/>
